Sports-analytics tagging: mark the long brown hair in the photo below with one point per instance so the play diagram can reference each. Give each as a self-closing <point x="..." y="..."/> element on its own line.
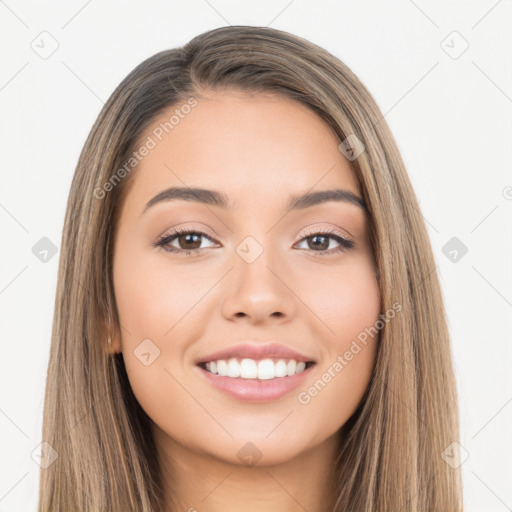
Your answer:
<point x="391" y="457"/>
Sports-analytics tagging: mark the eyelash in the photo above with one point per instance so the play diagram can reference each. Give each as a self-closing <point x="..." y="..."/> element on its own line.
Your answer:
<point x="164" y="241"/>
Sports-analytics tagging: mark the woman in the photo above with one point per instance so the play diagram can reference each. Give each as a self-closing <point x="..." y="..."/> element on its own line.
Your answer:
<point x="247" y="311"/>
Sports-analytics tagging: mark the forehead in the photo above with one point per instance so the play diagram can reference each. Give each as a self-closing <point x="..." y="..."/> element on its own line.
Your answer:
<point x="255" y="147"/>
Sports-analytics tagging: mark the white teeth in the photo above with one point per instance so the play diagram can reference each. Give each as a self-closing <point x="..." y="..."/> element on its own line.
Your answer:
<point x="291" y="367"/>
<point x="251" y="369"/>
<point x="233" y="368"/>
<point x="281" y="368"/>
<point x="222" y="368"/>
<point x="266" y="369"/>
<point x="301" y="366"/>
<point x="248" y="369"/>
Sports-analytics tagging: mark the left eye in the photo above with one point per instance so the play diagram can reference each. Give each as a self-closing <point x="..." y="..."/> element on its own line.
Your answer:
<point x="318" y="240"/>
<point x="322" y="240"/>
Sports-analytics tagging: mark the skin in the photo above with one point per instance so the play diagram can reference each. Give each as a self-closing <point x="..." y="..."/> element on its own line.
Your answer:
<point x="257" y="149"/>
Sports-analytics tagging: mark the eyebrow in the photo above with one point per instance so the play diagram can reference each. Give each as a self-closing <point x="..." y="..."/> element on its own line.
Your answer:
<point x="216" y="198"/>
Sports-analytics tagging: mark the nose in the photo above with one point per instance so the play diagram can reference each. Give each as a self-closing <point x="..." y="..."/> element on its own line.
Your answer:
<point x="258" y="292"/>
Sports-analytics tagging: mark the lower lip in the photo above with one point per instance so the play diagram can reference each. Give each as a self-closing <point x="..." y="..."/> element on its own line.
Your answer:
<point x="253" y="390"/>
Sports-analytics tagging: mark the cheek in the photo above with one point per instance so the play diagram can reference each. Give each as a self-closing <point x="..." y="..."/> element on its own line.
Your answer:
<point x="344" y="300"/>
<point x="348" y="303"/>
<point x="332" y="397"/>
<point x="157" y="305"/>
<point x="155" y="299"/>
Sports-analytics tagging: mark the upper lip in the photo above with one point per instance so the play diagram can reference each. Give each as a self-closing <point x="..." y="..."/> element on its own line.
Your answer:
<point x="256" y="351"/>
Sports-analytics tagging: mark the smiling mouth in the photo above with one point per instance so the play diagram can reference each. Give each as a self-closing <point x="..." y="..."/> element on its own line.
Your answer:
<point x="263" y="369"/>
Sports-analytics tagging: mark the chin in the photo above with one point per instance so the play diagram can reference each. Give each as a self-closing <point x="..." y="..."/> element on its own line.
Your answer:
<point x="257" y="450"/>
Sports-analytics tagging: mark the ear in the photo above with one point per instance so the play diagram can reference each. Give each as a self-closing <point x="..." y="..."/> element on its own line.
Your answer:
<point x="112" y="338"/>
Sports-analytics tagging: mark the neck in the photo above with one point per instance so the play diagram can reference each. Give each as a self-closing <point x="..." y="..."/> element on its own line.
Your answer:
<point x="197" y="482"/>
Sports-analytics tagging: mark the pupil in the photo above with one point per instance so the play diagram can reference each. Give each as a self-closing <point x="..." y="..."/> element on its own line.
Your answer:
<point x="191" y="235"/>
<point x="324" y="245"/>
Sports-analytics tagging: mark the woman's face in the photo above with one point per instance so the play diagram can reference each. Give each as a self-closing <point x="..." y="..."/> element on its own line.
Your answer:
<point x="267" y="283"/>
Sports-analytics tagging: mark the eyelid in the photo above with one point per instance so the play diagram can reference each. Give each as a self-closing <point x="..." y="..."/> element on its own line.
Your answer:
<point x="330" y="230"/>
<point x="199" y="228"/>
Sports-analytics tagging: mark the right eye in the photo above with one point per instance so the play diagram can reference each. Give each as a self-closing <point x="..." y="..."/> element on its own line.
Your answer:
<point x="183" y="237"/>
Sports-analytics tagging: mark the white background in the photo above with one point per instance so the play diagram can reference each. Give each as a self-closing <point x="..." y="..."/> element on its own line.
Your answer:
<point x="450" y="116"/>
